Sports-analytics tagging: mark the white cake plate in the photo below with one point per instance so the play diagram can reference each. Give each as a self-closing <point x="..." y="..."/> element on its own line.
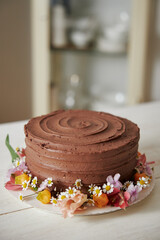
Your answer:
<point x="33" y="202"/>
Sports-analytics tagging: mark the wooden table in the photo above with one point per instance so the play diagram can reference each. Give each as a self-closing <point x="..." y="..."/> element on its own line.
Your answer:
<point x="141" y="221"/>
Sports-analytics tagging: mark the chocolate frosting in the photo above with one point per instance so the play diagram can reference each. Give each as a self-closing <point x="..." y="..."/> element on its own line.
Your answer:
<point x="73" y="144"/>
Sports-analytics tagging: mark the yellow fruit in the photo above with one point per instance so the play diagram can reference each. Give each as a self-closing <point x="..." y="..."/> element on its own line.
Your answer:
<point x="44" y="196"/>
<point x="21" y="178"/>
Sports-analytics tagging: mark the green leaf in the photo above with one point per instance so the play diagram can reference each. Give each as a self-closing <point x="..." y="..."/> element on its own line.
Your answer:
<point x="14" y="155"/>
<point x="35" y="189"/>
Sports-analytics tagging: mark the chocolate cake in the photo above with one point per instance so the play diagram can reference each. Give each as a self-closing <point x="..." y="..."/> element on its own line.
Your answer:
<point x="80" y="144"/>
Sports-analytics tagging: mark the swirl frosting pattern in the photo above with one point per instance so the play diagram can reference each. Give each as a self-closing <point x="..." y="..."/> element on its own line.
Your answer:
<point x="67" y="145"/>
<point x="81" y="128"/>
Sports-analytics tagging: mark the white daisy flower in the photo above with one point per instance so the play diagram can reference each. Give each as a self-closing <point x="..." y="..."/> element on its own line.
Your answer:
<point x="97" y="191"/>
<point x="49" y="182"/>
<point x="91" y="188"/>
<point x="78" y="184"/>
<point x="62" y="195"/>
<point x="143" y="182"/>
<point x="21" y="196"/>
<point x="53" y="201"/>
<point x="108" y="188"/>
<point x="90" y="202"/>
<point x="34" y="182"/>
<point x="25" y="185"/>
<point x="17" y="162"/>
<point x="71" y="191"/>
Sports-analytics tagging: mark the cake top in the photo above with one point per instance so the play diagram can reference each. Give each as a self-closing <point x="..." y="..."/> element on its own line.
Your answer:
<point x="81" y="129"/>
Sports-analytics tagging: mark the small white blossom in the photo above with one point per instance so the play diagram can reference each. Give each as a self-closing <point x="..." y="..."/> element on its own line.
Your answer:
<point x="21" y="196"/>
<point x="71" y="191"/>
<point x="91" y="188"/>
<point x="108" y="188"/>
<point x="25" y="185"/>
<point x="97" y="191"/>
<point x="34" y="182"/>
<point x="49" y="182"/>
<point x="62" y="196"/>
<point x="78" y="184"/>
<point x="143" y="182"/>
<point x="17" y="162"/>
<point x="53" y="201"/>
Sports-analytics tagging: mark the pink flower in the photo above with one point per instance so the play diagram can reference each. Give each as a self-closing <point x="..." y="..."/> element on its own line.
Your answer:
<point x="141" y="159"/>
<point x="115" y="191"/>
<point x="68" y="206"/>
<point x="21" y="167"/>
<point x="114" y="180"/>
<point x="120" y="200"/>
<point x="133" y="191"/>
<point x="21" y="154"/>
<point x="43" y="185"/>
<point x="10" y="185"/>
<point x="148" y="170"/>
<point x="143" y="166"/>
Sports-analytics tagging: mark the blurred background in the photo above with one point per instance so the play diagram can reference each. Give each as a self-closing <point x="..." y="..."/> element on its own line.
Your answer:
<point x="88" y="54"/>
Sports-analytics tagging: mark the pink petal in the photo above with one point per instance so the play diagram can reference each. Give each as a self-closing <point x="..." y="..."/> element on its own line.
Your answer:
<point x="138" y="189"/>
<point x="118" y="184"/>
<point x="21" y="154"/>
<point x="17" y="173"/>
<point x="127" y="195"/>
<point x="110" y="179"/>
<point x="115" y="191"/>
<point x="42" y="186"/>
<point x="68" y="206"/>
<point x="65" y="207"/>
<point x="78" y="201"/>
<point x="131" y="188"/>
<point x="152" y="162"/>
<point x="116" y="177"/>
<point x="12" y="179"/>
<point x="121" y="202"/>
<point x="21" y="167"/>
<point x="124" y="205"/>
<point x="142" y="158"/>
<point x="10" y="186"/>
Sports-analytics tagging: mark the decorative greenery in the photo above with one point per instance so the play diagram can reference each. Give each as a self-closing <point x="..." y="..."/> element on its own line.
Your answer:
<point x="14" y="155"/>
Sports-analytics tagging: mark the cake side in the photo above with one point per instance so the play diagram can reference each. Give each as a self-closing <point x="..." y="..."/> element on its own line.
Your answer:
<point x="67" y="145"/>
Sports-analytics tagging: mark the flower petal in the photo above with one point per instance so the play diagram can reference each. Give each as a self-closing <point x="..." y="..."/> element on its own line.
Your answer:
<point x="110" y="179"/>
<point x="118" y="185"/>
<point x="116" y="177"/>
<point x="131" y="188"/>
<point x="68" y="206"/>
<point x="10" y="186"/>
<point x="127" y="195"/>
<point x="115" y="191"/>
